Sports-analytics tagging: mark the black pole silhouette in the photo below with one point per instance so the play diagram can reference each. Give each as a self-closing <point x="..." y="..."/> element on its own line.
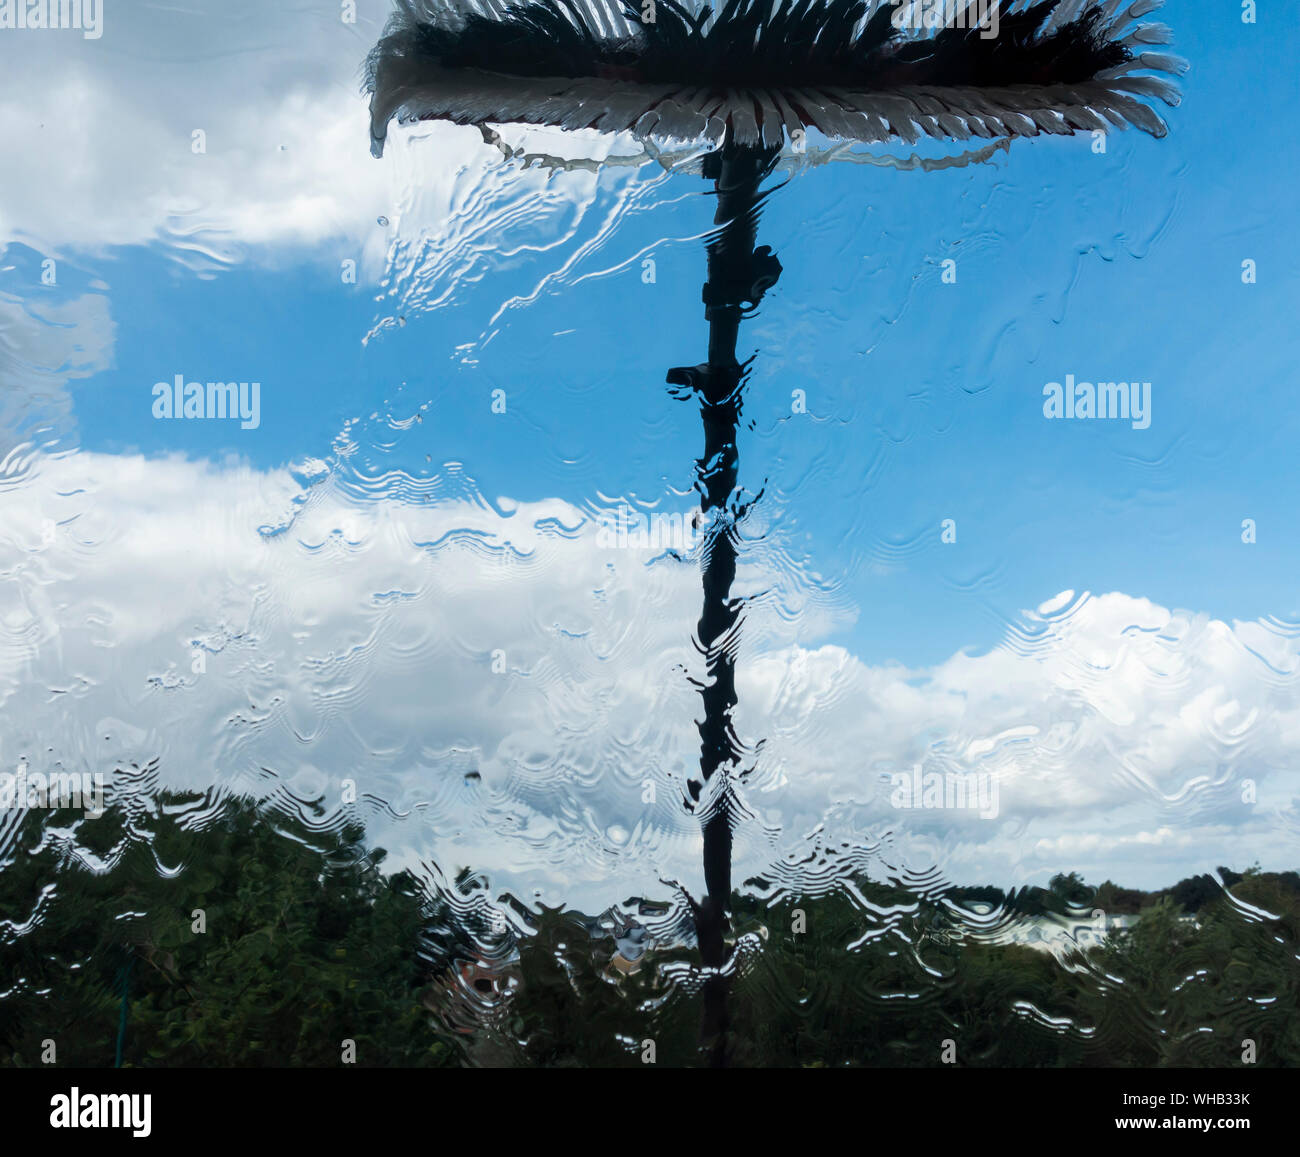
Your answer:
<point x="747" y="78"/>
<point x="739" y="274"/>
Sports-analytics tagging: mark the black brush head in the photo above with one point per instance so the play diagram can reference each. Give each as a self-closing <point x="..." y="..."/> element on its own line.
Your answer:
<point x="755" y="70"/>
<point x="749" y="46"/>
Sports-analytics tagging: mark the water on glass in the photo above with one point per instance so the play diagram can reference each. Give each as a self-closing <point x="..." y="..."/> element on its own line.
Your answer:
<point x="381" y="666"/>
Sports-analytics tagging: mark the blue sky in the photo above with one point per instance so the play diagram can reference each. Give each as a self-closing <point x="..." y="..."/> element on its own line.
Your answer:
<point x="1126" y="265"/>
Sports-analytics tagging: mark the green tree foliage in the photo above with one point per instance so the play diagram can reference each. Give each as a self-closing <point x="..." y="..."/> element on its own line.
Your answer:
<point x="1195" y="989"/>
<point x="307" y="943"/>
<point x="851" y="989"/>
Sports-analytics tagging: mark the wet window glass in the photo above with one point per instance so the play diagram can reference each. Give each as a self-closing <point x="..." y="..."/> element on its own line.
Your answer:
<point x="609" y="535"/>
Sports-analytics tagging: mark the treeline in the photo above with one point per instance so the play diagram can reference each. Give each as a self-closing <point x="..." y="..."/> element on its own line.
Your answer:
<point x="187" y="933"/>
<point x="1189" y="895"/>
<point x="835" y="985"/>
<point x="184" y="935"/>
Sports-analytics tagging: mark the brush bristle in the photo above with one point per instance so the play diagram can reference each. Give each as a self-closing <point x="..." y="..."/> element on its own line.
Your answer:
<point x="845" y="67"/>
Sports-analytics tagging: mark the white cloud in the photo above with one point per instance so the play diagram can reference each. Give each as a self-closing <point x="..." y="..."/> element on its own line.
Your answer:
<point x="356" y="640"/>
<point x="107" y="132"/>
<point x="43" y="346"/>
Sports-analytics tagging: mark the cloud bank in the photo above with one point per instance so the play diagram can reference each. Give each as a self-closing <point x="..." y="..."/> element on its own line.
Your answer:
<point x="508" y="694"/>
